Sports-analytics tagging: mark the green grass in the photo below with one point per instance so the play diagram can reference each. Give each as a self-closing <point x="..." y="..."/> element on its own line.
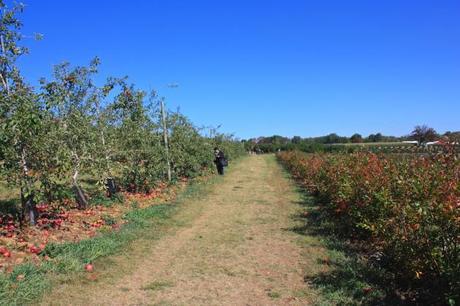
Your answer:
<point x="68" y="259"/>
<point x="274" y="295"/>
<point x="158" y="285"/>
<point x="6" y="192"/>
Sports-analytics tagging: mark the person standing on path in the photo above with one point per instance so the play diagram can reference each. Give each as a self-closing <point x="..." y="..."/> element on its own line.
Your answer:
<point x="219" y="160"/>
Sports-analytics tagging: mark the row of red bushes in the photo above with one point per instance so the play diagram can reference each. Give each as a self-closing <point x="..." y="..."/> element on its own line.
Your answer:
<point x="407" y="208"/>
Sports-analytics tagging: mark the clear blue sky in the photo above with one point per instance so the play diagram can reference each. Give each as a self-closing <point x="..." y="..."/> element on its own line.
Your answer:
<point x="266" y="67"/>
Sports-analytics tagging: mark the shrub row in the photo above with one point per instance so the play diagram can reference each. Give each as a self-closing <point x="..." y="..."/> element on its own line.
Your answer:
<point x="407" y="209"/>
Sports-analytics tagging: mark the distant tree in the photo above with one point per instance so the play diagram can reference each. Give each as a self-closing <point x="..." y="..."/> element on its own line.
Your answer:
<point x="277" y="140"/>
<point x="452" y="136"/>
<point x="332" y="138"/>
<point x="375" y="137"/>
<point x="356" y="138"/>
<point x="423" y="134"/>
<point x="296" y="139"/>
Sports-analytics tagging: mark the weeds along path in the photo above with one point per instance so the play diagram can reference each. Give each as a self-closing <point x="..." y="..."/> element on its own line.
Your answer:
<point x="231" y="247"/>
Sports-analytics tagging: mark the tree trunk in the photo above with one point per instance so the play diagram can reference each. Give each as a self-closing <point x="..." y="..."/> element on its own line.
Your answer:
<point x="28" y="205"/>
<point x="29" y="209"/>
<point x="80" y="197"/>
<point x="111" y="187"/>
<point x="109" y="182"/>
<point x="165" y="138"/>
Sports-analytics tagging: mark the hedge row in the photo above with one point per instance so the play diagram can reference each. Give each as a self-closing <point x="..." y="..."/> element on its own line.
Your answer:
<point x="407" y="209"/>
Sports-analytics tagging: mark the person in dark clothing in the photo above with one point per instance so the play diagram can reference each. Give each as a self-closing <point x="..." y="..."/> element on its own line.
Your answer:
<point x="219" y="160"/>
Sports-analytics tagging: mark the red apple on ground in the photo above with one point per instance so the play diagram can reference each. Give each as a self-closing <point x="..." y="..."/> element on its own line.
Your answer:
<point x="89" y="267"/>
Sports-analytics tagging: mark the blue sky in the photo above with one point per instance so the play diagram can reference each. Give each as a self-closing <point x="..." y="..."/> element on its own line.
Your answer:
<point x="265" y="67"/>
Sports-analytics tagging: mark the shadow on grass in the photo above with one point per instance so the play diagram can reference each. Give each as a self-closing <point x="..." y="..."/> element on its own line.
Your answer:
<point x="10" y="207"/>
<point x="351" y="278"/>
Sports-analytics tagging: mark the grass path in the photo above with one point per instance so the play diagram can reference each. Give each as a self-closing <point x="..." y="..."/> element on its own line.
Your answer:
<point x="232" y="246"/>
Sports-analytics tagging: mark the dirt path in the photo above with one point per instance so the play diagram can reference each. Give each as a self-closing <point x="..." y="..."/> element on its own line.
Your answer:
<point x="232" y="247"/>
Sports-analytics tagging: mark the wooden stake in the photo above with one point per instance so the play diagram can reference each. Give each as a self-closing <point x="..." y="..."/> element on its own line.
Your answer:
<point x="165" y="137"/>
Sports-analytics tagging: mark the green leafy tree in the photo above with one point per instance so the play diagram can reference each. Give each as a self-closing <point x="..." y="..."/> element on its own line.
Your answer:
<point x="20" y="116"/>
<point x="356" y="138"/>
<point x="69" y="98"/>
<point x="139" y="142"/>
<point x="10" y="36"/>
<point x="296" y="140"/>
<point x="190" y="152"/>
<point x="228" y="144"/>
<point x="106" y="141"/>
<point x="22" y="133"/>
<point x="375" y="137"/>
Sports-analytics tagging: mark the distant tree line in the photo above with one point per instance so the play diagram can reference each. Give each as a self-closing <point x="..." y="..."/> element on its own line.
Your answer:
<point x="422" y="134"/>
